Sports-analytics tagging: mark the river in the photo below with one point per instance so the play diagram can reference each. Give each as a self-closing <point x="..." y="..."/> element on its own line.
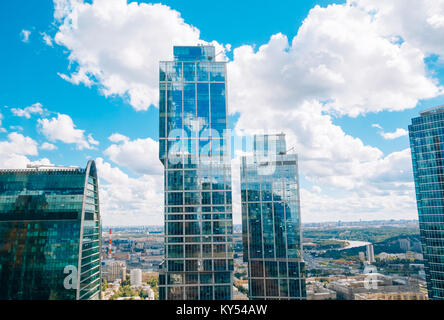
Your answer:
<point x="353" y="244"/>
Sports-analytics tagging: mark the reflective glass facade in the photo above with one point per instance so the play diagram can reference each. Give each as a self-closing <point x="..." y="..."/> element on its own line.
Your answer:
<point x="49" y="234"/>
<point x="427" y="146"/>
<point x="271" y="226"/>
<point x="193" y="148"/>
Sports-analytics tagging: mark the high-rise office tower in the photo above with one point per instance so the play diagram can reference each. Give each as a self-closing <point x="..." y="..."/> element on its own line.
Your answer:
<point x="193" y="147"/>
<point x="49" y="234"/>
<point x="427" y="146"/>
<point x="271" y="226"/>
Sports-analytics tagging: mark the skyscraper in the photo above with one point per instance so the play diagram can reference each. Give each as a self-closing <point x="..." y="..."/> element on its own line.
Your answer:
<point x="427" y="146"/>
<point x="49" y="234"/>
<point x="271" y="226"/>
<point x="194" y="151"/>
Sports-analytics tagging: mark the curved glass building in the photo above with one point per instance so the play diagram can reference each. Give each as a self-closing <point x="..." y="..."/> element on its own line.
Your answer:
<point x="193" y="149"/>
<point x="50" y="234"/>
<point x="427" y="146"/>
<point x="271" y="225"/>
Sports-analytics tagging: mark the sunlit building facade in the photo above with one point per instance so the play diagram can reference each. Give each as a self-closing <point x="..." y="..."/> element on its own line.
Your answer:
<point x="271" y="226"/>
<point x="50" y="234"/>
<point x="427" y="147"/>
<point x="193" y="147"/>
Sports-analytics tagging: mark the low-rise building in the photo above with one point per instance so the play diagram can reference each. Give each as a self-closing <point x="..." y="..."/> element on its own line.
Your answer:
<point x="317" y="291"/>
<point x="347" y="288"/>
<point x="392" y="296"/>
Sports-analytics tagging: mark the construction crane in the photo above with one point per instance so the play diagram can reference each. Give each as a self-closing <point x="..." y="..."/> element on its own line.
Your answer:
<point x="285" y="152"/>
<point x="109" y="244"/>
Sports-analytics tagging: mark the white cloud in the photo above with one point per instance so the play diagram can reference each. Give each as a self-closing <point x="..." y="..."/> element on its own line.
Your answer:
<point x="419" y="22"/>
<point x="42" y="162"/>
<point x="92" y="141"/>
<point x="375" y="125"/>
<point x="118" y="45"/>
<point x="24" y="35"/>
<point x="14" y="151"/>
<point x="1" y="119"/>
<point x="140" y="155"/>
<point x="131" y="201"/>
<point x="47" y="39"/>
<point x="342" y="63"/>
<point x="117" y="137"/>
<point x="16" y="128"/>
<point x="350" y="59"/>
<point x="63" y="129"/>
<point x="337" y="57"/>
<point x="48" y="146"/>
<point x="393" y="135"/>
<point x="36" y="108"/>
<point x="319" y="207"/>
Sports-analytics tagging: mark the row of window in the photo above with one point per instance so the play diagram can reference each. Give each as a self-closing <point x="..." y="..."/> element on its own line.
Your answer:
<point x="191" y="71"/>
<point x="260" y="288"/>
<point x="197" y="198"/>
<point x="197" y="265"/>
<point x="217" y="292"/>
<point x="197" y="228"/>
<point x="198" y="250"/>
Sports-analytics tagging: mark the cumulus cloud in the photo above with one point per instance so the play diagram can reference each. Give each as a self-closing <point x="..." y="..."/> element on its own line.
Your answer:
<point x="140" y="155"/>
<point x="350" y="59"/>
<point x="393" y="135"/>
<point x="92" y="141"/>
<point x="36" y="108"/>
<point x="418" y="22"/>
<point x="47" y="39"/>
<point x="24" y="35"/>
<point x="1" y="119"/>
<point x="14" y="151"/>
<point x="338" y="57"/>
<point x="126" y="200"/>
<point x="63" y="129"/>
<point x="117" y="137"/>
<point x="320" y="207"/>
<point x="339" y="63"/>
<point x="400" y="132"/>
<point x="48" y="146"/>
<point x="118" y="45"/>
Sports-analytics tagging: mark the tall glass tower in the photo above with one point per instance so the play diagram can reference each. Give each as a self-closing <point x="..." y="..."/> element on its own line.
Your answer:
<point x="427" y="146"/>
<point x="193" y="148"/>
<point x="271" y="226"/>
<point x="49" y="234"/>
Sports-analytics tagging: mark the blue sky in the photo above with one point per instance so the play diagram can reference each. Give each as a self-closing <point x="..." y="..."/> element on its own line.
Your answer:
<point x="336" y="79"/>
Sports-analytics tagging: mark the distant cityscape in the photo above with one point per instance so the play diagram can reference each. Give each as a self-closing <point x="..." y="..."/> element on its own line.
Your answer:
<point x="336" y="255"/>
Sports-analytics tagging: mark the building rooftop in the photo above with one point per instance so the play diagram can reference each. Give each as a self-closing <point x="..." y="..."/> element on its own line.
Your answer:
<point x="40" y="168"/>
<point x="433" y="110"/>
<point x="193" y="53"/>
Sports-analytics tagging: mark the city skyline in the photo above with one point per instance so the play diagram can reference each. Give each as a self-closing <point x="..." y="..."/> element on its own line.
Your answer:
<point x="76" y="88"/>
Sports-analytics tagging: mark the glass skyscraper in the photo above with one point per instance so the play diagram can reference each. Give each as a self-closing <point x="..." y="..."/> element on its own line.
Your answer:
<point x="271" y="226"/>
<point x="50" y="234"/>
<point x="427" y="146"/>
<point x="194" y="150"/>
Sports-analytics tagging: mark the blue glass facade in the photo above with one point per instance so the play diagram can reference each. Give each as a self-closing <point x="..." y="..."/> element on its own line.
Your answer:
<point x="193" y="148"/>
<point x="271" y="226"/>
<point x="49" y="234"/>
<point x="427" y="147"/>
